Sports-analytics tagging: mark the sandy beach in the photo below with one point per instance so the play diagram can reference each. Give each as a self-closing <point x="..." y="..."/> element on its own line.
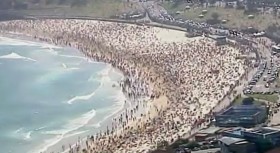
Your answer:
<point x="181" y="79"/>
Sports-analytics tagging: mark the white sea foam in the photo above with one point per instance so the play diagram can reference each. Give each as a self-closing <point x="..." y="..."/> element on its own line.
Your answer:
<point x="104" y="74"/>
<point x="18" y="130"/>
<point x="16" y="42"/>
<point x="49" y="46"/>
<point x="97" y="125"/>
<point x="119" y="97"/>
<point x="75" y="133"/>
<point x="50" y="50"/>
<point x="16" y="56"/>
<point x="64" y="65"/>
<point x="40" y="128"/>
<point x="20" y="133"/>
<point x="73" y="68"/>
<point x="69" y="68"/>
<point x="74" y="125"/>
<point x="92" y="78"/>
<point x="119" y="106"/>
<point x="79" y="57"/>
<point x="55" y="132"/>
<point x="60" y="134"/>
<point x="27" y="135"/>
<point x="85" y="97"/>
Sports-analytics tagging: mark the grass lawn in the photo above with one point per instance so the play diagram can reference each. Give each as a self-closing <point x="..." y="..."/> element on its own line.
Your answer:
<point x="239" y="100"/>
<point x="236" y="18"/>
<point x="94" y="8"/>
<point x="271" y="98"/>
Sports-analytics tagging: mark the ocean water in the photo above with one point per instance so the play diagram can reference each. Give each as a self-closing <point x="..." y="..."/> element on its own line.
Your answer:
<point x="51" y="95"/>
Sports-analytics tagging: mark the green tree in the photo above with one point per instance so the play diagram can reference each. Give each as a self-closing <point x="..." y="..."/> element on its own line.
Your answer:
<point x="248" y="101"/>
<point x="192" y="144"/>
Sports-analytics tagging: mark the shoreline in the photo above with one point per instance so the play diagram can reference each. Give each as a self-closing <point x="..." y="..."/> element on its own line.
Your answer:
<point x="24" y="37"/>
<point x="161" y="87"/>
<point x="109" y="118"/>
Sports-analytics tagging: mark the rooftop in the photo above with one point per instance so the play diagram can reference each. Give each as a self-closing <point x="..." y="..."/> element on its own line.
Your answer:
<point x="231" y="140"/>
<point x="241" y="110"/>
<point x="236" y="131"/>
<point x="207" y="150"/>
<point x="210" y="130"/>
<point x="265" y="130"/>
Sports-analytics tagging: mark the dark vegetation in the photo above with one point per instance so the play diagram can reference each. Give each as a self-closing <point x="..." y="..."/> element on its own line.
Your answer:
<point x="68" y="8"/>
<point x="248" y="101"/>
<point x="23" y="4"/>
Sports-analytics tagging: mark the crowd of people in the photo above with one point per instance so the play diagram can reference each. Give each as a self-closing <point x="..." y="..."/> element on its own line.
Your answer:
<point x="183" y="80"/>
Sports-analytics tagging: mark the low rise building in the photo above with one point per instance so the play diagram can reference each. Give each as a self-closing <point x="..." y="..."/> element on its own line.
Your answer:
<point x="236" y="145"/>
<point x="242" y="115"/>
<point x="264" y="138"/>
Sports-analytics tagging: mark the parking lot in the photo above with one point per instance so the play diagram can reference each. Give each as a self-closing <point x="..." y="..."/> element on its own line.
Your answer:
<point x="266" y="79"/>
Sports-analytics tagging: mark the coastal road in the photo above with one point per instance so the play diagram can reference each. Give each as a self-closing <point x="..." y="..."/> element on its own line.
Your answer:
<point x="239" y="90"/>
<point x="265" y="53"/>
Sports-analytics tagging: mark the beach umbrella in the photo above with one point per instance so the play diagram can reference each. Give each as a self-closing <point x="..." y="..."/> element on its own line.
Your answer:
<point x="178" y="12"/>
<point x="204" y="11"/>
<point x="251" y="16"/>
<point x="201" y="16"/>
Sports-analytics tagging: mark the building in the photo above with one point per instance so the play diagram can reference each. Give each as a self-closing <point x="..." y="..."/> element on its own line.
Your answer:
<point x="236" y="145"/>
<point x="220" y="40"/>
<point x="264" y="138"/>
<point x="242" y="115"/>
<point x="235" y="133"/>
<point x="271" y="135"/>
<point x="206" y="133"/>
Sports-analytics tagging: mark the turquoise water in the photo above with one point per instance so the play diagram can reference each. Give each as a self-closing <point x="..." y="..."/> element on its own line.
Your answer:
<point x="51" y="95"/>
